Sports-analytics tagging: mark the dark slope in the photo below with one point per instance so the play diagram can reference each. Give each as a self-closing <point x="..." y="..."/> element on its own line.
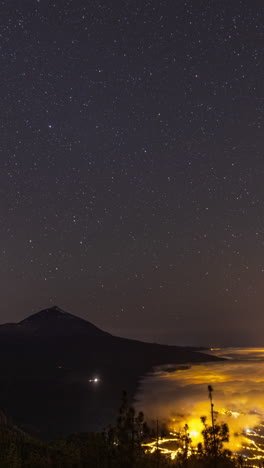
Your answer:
<point x="46" y="362"/>
<point x="53" y="322"/>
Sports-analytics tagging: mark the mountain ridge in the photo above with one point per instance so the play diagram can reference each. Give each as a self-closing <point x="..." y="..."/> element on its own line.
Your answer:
<point x="53" y="321"/>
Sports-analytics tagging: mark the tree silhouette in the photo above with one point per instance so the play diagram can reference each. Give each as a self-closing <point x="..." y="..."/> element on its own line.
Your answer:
<point x="129" y="433"/>
<point x="214" y="438"/>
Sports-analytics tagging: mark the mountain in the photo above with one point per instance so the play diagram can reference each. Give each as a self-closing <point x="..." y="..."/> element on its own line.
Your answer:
<point x="48" y="365"/>
<point x="53" y="322"/>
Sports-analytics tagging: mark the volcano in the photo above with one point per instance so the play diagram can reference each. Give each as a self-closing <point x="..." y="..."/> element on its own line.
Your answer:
<point x="60" y="373"/>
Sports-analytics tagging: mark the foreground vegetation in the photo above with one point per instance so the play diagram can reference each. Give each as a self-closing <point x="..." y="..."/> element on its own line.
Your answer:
<point x="121" y="446"/>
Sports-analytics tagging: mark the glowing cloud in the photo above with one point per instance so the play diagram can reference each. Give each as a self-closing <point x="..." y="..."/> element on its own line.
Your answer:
<point x="181" y="396"/>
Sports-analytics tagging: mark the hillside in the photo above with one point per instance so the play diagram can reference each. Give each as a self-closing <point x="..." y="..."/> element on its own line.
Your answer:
<point x="52" y="322"/>
<point x="48" y="362"/>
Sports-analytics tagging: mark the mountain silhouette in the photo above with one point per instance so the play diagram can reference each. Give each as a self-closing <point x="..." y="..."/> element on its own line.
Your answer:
<point x="49" y="362"/>
<point x="57" y="322"/>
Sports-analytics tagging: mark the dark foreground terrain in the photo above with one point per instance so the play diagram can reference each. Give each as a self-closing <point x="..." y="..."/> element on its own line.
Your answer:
<point x="48" y="359"/>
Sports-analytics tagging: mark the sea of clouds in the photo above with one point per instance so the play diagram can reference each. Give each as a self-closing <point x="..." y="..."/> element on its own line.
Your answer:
<point x="181" y="396"/>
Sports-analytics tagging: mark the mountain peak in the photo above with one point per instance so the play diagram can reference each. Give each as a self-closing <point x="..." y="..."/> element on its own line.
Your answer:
<point x="54" y="321"/>
<point x="49" y="314"/>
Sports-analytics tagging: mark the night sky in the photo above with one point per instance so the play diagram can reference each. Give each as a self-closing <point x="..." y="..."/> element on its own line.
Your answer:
<point x="132" y="166"/>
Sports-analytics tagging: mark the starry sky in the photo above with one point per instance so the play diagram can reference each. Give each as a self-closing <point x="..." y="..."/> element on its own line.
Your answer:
<point x="132" y="166"/>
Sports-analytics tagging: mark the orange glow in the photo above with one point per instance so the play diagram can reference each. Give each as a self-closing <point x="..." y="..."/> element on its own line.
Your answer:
<point x="181" y="397"/>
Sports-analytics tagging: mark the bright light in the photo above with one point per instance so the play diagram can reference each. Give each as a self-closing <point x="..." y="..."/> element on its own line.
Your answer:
<point x="95" y="380"/>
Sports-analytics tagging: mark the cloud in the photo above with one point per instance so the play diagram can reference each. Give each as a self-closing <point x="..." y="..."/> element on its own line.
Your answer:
<point x="182" y="396"/>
